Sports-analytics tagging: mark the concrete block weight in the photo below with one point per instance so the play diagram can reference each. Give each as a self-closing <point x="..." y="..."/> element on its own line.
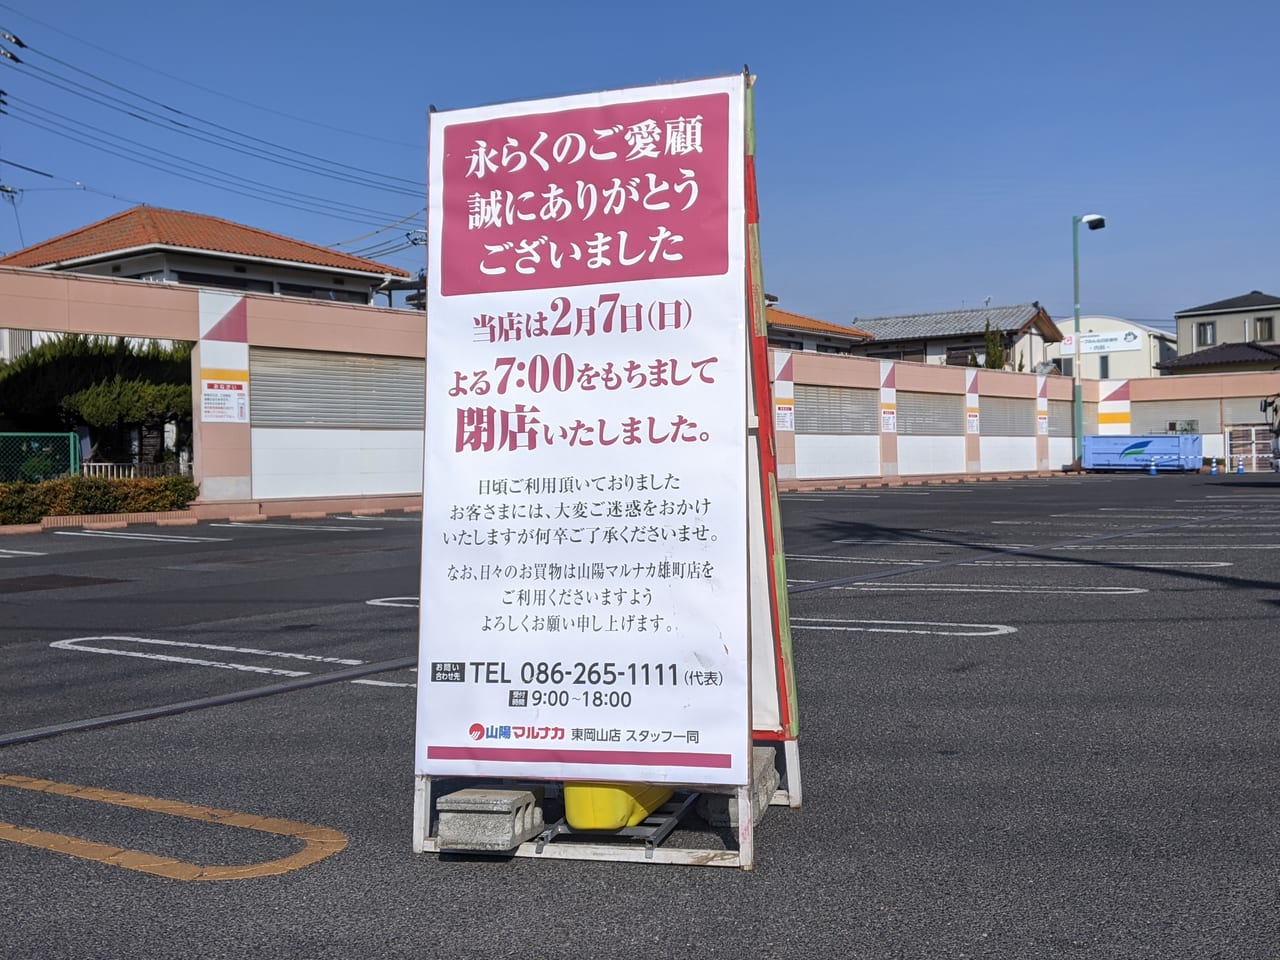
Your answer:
<point x="486" y="819"/>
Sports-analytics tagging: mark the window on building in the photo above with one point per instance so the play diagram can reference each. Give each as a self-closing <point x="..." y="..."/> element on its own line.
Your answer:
<point x="223" y="282"/>
<point x="321" y="293"/>
<point x="1263" y="329"/>
<point x="1104" y="367"/>
<point x="1065" y="365"/>
<point x="1206" y="333"/>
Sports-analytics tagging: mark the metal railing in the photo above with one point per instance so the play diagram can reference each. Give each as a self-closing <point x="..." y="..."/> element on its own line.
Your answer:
<point x="124" y="471"/>
<point x="32" y="457"/>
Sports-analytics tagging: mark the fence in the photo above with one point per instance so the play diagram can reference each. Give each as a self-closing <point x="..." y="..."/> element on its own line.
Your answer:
<point x="121" y="471"/>
<point x="32" y="457"/>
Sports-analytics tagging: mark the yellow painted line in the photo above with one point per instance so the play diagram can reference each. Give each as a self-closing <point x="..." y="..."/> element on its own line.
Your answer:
<point x="213" y="373"/>
<point x="319" y="842"/>
<point x="1115" y="418"/>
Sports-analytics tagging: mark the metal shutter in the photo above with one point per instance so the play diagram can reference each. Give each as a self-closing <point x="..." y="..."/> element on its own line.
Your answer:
<point x="1155" y="416"/>
<point x="1241" y="410"/>
<point x="304" y="388"/>
<point x="930" y="414"/>
<point x="836" y="410"/>
<point x="1062" y="418"/>
<point x="1007" y="417"/>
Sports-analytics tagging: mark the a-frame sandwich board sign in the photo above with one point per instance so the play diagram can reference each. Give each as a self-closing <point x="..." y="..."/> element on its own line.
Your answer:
<point x="585" y="608"/>
<point x="774" y="701"/>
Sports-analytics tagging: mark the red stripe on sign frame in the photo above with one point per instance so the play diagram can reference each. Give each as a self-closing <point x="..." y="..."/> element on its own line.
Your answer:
<point x="719" y="761"/>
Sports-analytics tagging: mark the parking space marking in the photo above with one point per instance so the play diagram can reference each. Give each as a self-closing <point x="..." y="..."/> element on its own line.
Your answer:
<point x="893" y="561"/>
<point x="1135" y="565"/>
<point x="296" y="526"/>
<point x="903" y="626"/>
<point x="878" y="561"/>
<point x="318" y="842"/>
<point x="1025" y="589"/>
<point x="1147" y="545"/>
<point x="79" y="645"/>
<point x="379" y="519"/>
<point x="13" y="554"/>
<point x="394" y="602"/>
<point x="153" y="537"/>
<point x="934" y="544"/>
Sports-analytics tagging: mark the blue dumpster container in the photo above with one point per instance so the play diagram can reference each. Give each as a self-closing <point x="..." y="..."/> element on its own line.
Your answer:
<point x="1182" y="451"/>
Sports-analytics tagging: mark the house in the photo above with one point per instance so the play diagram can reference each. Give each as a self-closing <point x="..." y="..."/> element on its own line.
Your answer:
<point x="793" y="331"/>
<point x="1112" y="348"/>
<point x="956" y="337"/>
<point x="1238" y="334"/>
<point x="172" y="246"/>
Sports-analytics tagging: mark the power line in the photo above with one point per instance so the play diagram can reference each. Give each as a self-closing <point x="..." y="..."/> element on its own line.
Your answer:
<point x="244" y="193"/>
<point x="151" y="117"/>
<point x="213" y="172"/>
<point x="217" y="93"/>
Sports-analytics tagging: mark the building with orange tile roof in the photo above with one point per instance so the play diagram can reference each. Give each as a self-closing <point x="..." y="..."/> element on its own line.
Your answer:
<point x="174" y="246"/>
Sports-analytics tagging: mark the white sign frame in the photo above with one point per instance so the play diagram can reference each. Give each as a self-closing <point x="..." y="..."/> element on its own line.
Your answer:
<point x="470" y="677"/>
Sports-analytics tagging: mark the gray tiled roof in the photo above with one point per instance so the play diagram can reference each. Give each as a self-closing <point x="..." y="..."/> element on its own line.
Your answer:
<point x="1225" y="354"/>
<point x="948" y="323"/>
<point x="1254" y="299"/>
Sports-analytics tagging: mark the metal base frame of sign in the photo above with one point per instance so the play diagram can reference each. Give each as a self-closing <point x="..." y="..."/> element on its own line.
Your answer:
<point x="641" y="844"/>
<point x="788" y="793"/>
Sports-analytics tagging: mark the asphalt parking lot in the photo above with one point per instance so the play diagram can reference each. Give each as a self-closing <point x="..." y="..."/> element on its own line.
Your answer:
<point x="1038" y="719"/>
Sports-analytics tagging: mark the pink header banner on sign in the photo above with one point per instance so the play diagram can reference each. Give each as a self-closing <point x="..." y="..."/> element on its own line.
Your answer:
<point x="603" y="194"/>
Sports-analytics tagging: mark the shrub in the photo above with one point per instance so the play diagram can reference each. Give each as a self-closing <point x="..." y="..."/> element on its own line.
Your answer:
<point x="22" y="502"/>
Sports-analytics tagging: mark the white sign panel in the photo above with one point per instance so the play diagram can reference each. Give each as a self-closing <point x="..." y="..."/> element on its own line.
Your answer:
<point x="584" y="574"/>
<point x="1103" y="342"/>
<point x="224" y="401"/>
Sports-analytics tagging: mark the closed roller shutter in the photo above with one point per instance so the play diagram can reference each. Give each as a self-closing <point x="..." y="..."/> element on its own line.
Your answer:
<point x="1242" y="410"/>
<point x="1007" y="417"/>
<point x="1062" y="418"/>
<point x="930" y="414"/>
<point x="1155" y="416"/>
<point x="836" y="410"/>
<point x="304" y="388"/>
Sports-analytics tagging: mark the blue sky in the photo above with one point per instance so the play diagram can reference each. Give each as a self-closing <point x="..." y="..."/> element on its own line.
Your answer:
<point x="910" y="157"/>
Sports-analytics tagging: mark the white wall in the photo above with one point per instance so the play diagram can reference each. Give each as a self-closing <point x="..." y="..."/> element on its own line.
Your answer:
<point x="1007" y="453"/>
<point x="827" y="455"/>
<point x="930" y="455"/>
<point x="1062" y="451"/>
<point x="291" y="463"/>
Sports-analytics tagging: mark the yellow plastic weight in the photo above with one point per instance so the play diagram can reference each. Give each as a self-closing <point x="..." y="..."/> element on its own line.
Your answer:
<point x="611" y="806"/>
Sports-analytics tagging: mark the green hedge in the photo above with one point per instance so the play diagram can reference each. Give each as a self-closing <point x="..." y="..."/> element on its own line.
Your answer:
<point x="75" y="496"/>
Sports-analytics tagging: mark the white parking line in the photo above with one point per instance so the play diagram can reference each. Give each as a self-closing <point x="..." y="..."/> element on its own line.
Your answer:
<point x="934" y="544"/>
<point x="1148" y="546"/>
<point x="394" y="602"/>
<point x="296" y="526"/>
<point x="892" y="561"/>
<point x="151" y="537"/>
<point x="877" y="561"/>
<point x="1152" y="565"/>
<point x="1018" y="588"/>
<point x="5" y="554"/>
<point x="80" y="645"/>
<point x="903" y="626"/>
<point x="380" y="519"/>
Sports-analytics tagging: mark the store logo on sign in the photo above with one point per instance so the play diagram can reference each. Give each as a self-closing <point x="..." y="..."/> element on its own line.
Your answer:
<point x="476" y="730"/>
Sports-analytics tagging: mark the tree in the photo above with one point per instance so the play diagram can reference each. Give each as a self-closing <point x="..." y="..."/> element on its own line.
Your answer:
<point x="995" y="348"/>
<point x="109" y="383"/>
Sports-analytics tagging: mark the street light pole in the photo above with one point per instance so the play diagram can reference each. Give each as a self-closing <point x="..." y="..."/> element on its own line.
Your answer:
<point x="1093" y="221"/>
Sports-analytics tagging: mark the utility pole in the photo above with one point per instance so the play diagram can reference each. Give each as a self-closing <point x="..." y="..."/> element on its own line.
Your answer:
<point x="11" y="194"/>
